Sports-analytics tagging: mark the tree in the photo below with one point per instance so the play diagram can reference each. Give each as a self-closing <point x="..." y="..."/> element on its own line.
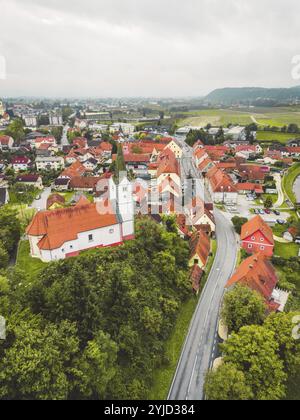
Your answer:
<point x="268" y="203"/>
<point x="282" y="326"/>
<point x="238" y="223"/>
<point x="10" y="228"/>
<point x="16" y="130"/>
<point x="254" y="351"/>
<point x="97" y="366"/>
<point x="36" y="359"/>
<point x="4" y="257"/>
<point x="227" y="383"/>
<point x="242" y="307"/>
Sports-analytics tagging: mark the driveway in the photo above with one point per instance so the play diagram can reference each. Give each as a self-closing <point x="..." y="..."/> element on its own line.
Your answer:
<point x="278" y="180"/>
<point x="41" y="204"/>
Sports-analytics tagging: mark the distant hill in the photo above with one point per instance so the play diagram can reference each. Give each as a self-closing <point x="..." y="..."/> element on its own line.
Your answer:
<point x="254" y="95"/>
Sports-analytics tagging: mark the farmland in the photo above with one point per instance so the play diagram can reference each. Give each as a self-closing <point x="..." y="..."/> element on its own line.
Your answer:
<point x="275" y="117"/>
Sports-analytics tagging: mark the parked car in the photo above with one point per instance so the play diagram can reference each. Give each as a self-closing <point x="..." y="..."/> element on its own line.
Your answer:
<point x="277" y="212"/>
<point x="267" y="211"/>
<point x="261" y="212"/>
<point x="256" y="211"/>
<point x="281" y="222"/>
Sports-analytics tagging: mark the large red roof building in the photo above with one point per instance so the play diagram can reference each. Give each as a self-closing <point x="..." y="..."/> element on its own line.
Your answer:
<point x="257" y="237"/>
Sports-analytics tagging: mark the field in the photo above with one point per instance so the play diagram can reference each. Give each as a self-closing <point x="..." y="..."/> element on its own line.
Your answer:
<point x="273" y="136"/>
<point x="277" y="117"/>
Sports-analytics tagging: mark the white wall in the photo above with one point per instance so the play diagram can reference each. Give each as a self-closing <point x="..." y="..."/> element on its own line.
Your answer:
<point x="105" y="236"/>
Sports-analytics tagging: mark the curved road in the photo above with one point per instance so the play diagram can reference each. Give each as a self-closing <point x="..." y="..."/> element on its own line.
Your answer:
<point x="201" y="343"/>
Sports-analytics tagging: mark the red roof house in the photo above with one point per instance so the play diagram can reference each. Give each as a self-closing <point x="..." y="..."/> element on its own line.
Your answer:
<point x="257" y="237"/>
<point x="257" y="273"/>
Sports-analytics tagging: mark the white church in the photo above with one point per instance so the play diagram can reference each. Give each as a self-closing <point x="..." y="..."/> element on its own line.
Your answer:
<point x="64" y="233"/>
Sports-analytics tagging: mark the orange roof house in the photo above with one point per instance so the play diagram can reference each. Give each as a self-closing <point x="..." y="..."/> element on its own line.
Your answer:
<point x="168" y="164"/>
<point x="257" y="273"/>
<point x="257" y="237"/>
<point x="80" y="183"/>
<point x="76" y="169"/>
<point x="55" y="201"/>
<point x="200" y="249"/>
<point x="196" y="276"/>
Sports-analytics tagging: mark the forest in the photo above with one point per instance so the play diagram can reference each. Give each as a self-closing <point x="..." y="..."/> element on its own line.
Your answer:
<point x="93" y="327"/>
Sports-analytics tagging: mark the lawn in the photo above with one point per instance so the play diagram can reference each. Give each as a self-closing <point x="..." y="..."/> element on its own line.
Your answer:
<point x="31" y="266"/>
<point x="289" y="180"/>
<point x="286" y="250"/>
<point x="268" y="136"/>
<point x="163" y="376"/>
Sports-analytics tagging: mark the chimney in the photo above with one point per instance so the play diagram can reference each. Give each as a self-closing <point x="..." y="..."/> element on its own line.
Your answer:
<point x="251" y="266"/>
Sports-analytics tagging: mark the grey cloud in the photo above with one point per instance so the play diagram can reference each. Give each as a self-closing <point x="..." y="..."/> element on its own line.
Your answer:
<point x="145" y="47"/>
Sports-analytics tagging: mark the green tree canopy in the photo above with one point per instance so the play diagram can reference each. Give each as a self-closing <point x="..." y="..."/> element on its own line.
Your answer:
<point x="242" y="307"/>
<point x="227" y="383"/>
<point x="254" y="351"/>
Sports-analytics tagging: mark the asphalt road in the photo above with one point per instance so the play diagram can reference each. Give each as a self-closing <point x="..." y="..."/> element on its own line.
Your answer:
<point x="41" y="204"/>
<point x="200" y="348"/>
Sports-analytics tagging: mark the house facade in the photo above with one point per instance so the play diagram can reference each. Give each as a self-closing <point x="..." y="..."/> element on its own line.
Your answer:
<point x="51" y="163"/>
<point x="257" y="237"/>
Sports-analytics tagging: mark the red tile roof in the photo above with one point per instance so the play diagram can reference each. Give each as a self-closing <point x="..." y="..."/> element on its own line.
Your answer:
<point x="63" y="225"/>
<point x="257" y="273"/>
<point x="55" y="199"/>
<point x="76" y="169"/>
<point x="196" y="276"/>
<point x="220" y="181"/>
<point x="167" y="163"/>
<point x="84" y="182"/>
<point x="200" y="246"/>
<point x="254" y="225"/>
<point x="4" y="140"/>
<point x="249" y="186"/>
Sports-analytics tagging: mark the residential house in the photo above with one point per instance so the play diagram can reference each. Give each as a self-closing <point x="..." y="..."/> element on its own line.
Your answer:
<point x="258" y="273"/>
<point x="31" y="180"/>
<point x="90" y="164"/>
<point x="6" y="143"/>
<point x="221" y="186"/>
<point x="249" y="188"/>
<point x="51" y="163"/>
<point x="55" y="201"/>
<point x="63" y="233"/>
<point x="84" y="184"/>
<point x="200" y="247"/>
<point x="176" y="148"/>
<point x="61" y="184"/>
<point x="257" y="237"/>
<point x="168" y="167"/>
<point x="76" y="169"/>
<point x="21" y="163"/>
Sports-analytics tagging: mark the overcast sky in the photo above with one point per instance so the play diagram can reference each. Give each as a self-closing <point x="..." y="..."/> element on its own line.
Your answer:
<point x="146" y="47"/>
